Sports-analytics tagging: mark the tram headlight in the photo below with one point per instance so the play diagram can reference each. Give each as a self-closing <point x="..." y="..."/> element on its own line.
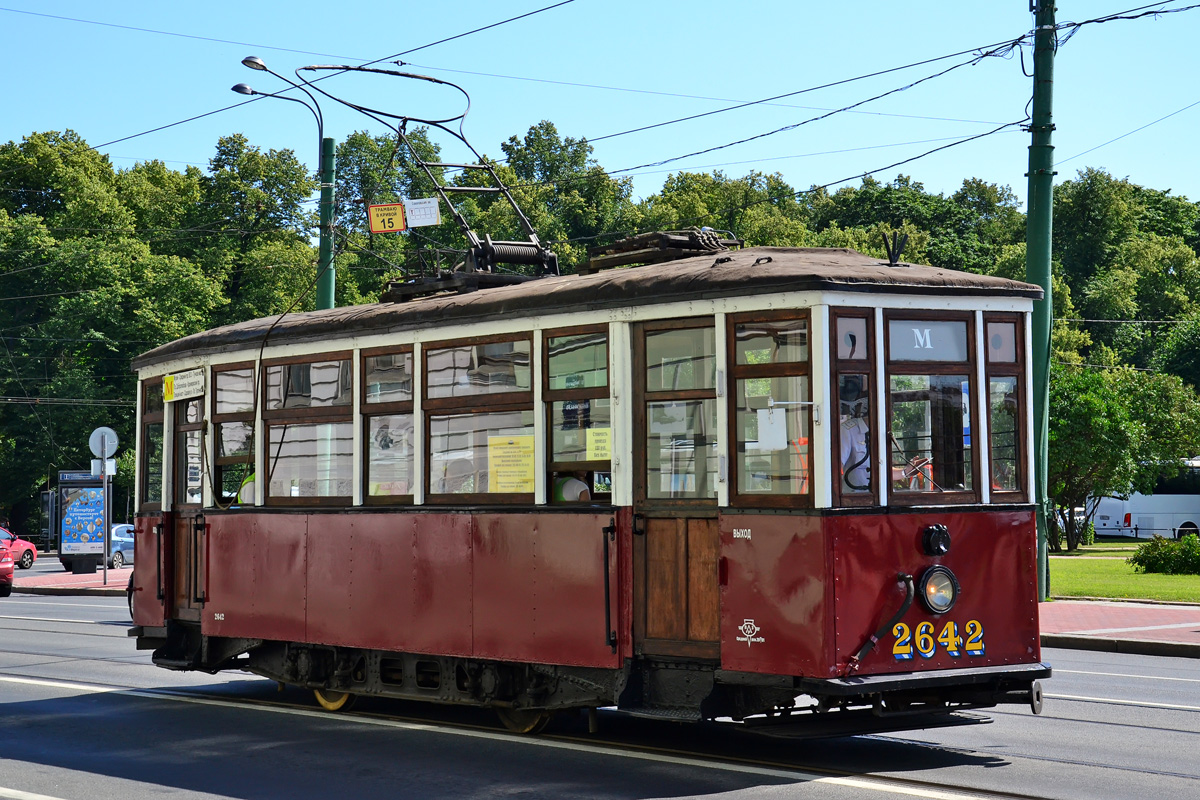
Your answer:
<point x="939" y="589"/>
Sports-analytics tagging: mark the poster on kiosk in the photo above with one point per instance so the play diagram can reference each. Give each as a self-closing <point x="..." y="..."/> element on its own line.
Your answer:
<point x="81" y="517"/>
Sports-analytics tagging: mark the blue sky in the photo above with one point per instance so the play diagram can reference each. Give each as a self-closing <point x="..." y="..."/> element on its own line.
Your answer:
<point x="598" y="68"/>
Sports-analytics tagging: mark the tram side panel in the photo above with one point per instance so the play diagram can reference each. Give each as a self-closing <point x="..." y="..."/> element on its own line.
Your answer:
<point x="538" y="588"/>
<point x="149" y="571"/>
<point x="995" y="619"/>
<point x="776" y="595"/>
<point x="392" y="581"/>
<point x="513" y="587"/>
<point x="256" y="569"/>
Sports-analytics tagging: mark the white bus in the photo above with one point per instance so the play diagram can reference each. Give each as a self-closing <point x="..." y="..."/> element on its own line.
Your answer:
<point x="1171" y="512"/>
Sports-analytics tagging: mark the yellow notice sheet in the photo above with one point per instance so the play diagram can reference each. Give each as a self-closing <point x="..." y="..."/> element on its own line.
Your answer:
<point x="599" y="444"/>
<point x="510" y="464"/>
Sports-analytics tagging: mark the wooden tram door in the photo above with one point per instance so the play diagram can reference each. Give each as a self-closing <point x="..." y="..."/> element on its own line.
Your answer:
<point x="676" y="595"/>
<point x="185" y="523"/>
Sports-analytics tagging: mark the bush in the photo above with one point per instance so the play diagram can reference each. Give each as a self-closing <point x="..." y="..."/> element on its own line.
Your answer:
<point x="1168" y="556"/>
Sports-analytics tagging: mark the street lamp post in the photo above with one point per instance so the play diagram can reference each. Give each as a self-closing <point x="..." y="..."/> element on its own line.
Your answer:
<point x="325" y="270"/>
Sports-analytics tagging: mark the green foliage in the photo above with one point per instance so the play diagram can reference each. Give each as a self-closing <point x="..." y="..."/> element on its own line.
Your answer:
<point x="1168" y="556"/>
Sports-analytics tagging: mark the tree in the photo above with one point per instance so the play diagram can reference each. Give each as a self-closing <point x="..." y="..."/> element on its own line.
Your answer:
<point x="1114" y="432"/>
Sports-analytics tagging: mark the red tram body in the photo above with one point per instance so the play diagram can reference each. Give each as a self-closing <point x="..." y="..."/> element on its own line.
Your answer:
<point x="734" y="564"/>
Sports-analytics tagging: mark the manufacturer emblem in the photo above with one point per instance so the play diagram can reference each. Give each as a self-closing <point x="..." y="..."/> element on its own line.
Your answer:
<point x="749" y="629"/>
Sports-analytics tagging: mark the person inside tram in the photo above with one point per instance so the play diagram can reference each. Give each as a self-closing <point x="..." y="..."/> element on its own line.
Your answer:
<point x="571" y="487"/>
<point x="853" y="410"/>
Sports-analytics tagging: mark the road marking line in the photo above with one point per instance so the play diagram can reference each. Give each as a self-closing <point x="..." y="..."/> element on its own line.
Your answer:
<point x="17" y="794"/>
<point x="79" y="687"/>
<point x="798" y="776"/>
<point x="53" y="619"/>
<point x="1146" y="703"/>
<point x="1058" y="671"/>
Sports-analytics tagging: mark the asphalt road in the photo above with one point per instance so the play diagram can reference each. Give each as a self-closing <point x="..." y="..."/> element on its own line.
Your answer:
<point x="84" y="716"/>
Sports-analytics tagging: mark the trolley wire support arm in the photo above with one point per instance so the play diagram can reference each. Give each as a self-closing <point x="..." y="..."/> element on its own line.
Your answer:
<point x="484" y="253"/>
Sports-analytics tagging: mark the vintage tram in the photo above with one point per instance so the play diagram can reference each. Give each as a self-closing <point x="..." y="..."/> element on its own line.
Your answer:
<point x="777" y="485"/>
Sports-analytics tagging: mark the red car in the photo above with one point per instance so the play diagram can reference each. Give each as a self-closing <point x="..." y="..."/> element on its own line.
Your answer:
<point x="6" y="573"/>
<point x="23" y="551"/>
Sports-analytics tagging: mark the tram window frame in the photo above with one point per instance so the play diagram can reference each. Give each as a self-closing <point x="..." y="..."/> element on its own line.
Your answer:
<point x="901" y="367"/>
<point x="302" y="416"/>
<point x="179" y="432"/>
<point x="649" y="397"/>
<point x="152" y="414"/>
<point x="369" y="410"/>
<point x="1004" y="369"/>
<point x="220" y="462"/>
<point x="474" y="404"/>
<point x="558" y="470"/>
<point x="745" y="372"/>
<point x="840" y="367"/>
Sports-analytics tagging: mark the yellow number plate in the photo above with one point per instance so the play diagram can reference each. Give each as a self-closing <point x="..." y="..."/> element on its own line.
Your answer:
<point x="925" y="640"/>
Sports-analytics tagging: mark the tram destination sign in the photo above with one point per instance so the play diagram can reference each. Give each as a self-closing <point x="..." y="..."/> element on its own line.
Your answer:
<point x="183" y="385"/>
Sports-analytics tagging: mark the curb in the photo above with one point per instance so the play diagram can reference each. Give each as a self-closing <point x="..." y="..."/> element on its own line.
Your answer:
<point x="67" y="591"/>
<point x="1137" y="647"/>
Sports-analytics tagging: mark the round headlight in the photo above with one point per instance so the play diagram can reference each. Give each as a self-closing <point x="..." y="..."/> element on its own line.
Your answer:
<point x="939" y="589"/>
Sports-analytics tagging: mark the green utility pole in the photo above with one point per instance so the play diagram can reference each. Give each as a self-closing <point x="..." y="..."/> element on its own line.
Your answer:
<point x="325" y="273"/>
<point x="1039" y="227"/>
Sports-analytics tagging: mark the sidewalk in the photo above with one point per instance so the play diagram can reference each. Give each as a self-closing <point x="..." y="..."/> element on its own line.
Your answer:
<point x="65" y="583"/>
<point x="1155" y="629"/>
<point x="1151" y="629"/>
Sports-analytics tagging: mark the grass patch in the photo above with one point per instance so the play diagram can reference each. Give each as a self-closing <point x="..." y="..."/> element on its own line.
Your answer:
<point x="1112" y="577"/>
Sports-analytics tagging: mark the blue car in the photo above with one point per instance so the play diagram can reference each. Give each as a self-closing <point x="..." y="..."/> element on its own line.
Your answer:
<point x="120" y="550"/>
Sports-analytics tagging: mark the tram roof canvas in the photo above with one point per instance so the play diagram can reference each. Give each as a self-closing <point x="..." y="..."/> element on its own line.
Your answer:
<point x="747" y="272"/>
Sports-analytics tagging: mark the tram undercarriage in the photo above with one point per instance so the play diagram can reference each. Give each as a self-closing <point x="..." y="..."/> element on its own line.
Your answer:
<point x="527" y="694"/>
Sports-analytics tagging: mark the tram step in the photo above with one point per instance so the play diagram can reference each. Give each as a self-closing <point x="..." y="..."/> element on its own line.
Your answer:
<point x="670" y="714"/>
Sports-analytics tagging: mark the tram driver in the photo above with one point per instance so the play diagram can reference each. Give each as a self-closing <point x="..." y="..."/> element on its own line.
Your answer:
<point x="854" y="409"/>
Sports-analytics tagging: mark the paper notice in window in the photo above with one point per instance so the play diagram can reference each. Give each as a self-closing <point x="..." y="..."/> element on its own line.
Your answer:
<point x="510" y="464"/>
<point x="599" y="444"/>
<point x="772" y="430"/>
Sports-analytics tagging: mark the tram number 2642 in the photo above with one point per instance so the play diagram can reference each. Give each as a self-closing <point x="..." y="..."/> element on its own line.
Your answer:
<point x="923" y="641"/>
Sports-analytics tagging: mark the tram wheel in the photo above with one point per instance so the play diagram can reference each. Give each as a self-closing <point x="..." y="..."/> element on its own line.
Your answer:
<point x="334" y="701"/>
<point x="524" y="720"/>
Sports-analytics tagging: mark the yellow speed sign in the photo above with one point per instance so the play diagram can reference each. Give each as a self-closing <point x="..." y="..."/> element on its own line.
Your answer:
<point x="387" y="218"/>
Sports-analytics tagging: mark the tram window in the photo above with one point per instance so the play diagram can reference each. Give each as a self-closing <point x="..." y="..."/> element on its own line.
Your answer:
<point x="1006" y="405"/>
<point x="680" y="360"/>
<point x="579" y="415"/>
<point x="152" y="445"/>
<point x="931" y="446"/>
<point x="478" y="369"/>
<point x="315" y="384"/>
<point x="388" y="378"/>
<point x="389" y="455"/>
<point x="854" y="444"/>
<point x="681" y="449"/>
<point x="233" y="422"/>
<point x="1003" y="427"/>
<point x="772" y="409"/>
<point x="310" y="460"/>
<point x="310" y="436"/>
<point x="188" y="468"/>
<point x="481" y="453"/>
<point x="771" y="342"/>
<point x="930" y="433"/>
<point x="773" y="429"/>
<point x="388" y="426"/>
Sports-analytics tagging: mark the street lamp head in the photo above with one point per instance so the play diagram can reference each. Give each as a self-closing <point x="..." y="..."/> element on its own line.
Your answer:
<point x="242" y="88"/>
<point x="254" y="62"/>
